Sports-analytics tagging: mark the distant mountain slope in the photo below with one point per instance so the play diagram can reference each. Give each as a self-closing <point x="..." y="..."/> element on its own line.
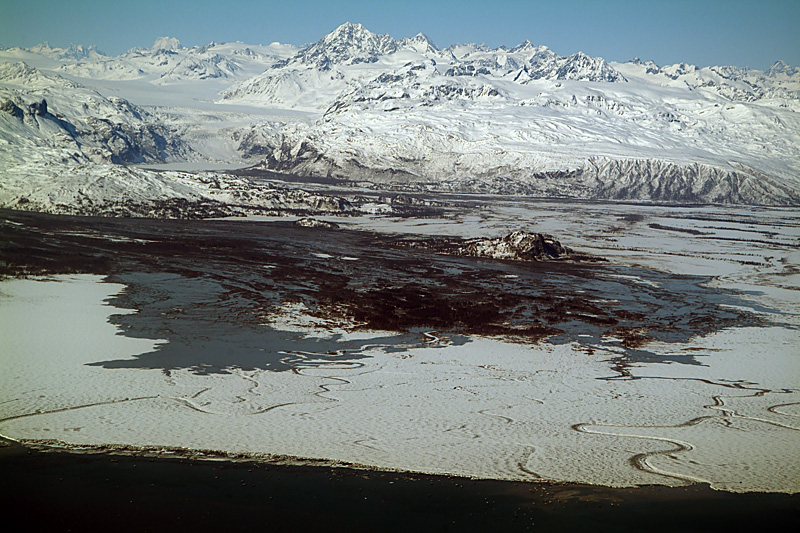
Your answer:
<point x="408" y="115"/>
<point x="527" y="120"/>
<point x="114" y="190"/>
<point x="351" y="55"/>
<point x="74" y="52"/>
<point x="167" y="61"/>
<point x="734" y="83"/>
<point x="49" y="118"/>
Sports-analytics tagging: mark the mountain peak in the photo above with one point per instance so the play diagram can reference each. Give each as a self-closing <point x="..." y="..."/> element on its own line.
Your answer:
<point x="351" y="33"/>
<point x="349" y="43"/>
<point x="420" y="42"/>
<point x="21" y="73"/>
<point x="779" y="67"/>
<point x="639" y="61"/>
<point x="524" y="45"/>
<point x="41" y="48"/>
<point x="579" y="67"/>
<point x="349" y="27"/>
<point x="166" y="43"/>
<point x="17" y="70"/>
<point x="74" y="52"/>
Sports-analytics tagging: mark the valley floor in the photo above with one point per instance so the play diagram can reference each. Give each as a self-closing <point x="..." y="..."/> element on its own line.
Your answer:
<point x="673" y="362"/>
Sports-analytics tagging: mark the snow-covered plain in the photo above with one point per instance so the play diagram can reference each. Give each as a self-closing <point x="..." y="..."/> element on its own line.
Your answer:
<point x="720" y="408"/>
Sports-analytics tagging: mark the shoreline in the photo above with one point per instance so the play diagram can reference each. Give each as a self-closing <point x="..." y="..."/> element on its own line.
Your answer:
<point x="94" y="491"/>
<point x="267" y="460"/>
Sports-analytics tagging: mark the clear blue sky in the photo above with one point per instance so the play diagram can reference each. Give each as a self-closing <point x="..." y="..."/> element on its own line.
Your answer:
<point x="703" y="32"/>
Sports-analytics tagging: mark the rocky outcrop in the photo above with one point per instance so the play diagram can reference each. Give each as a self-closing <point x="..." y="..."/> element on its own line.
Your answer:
<point x="516" y="246"/>
<point x="8" y="106"/>
<point x="309" y="222"/>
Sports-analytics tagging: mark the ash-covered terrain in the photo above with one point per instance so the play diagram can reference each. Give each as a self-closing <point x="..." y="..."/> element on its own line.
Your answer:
<point x="534" y="288"/>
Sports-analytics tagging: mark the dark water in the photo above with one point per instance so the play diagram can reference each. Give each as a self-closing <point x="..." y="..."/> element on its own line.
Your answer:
<point x="208" y="332"/>
<point x="59" y="491"/>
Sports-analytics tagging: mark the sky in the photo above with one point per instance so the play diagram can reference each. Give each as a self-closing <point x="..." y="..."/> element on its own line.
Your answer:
<point x="701" y="32"/>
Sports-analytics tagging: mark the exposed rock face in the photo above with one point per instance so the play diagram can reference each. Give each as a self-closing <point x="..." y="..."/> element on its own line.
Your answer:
<point x="416" y="166"/>
<point x="7" y="106"/>
<point x="77" y="123"/>
<point x="134" y="143"/>
<point x="128" y="191"/>
<point x="580" y="67"/>
<point x="662" y="181"/>
<point x="309" y="222"/>
<point x="516" y="246"/>
<point x="39" y="108"/>
<point x="349" y="43"/>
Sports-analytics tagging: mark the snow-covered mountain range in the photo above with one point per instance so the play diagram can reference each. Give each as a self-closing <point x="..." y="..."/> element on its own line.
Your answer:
<point x="352" y="56"/>
<point x="49" y="118"/>
<point x="406" y="114"/>
<point x="167" y="61"/>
